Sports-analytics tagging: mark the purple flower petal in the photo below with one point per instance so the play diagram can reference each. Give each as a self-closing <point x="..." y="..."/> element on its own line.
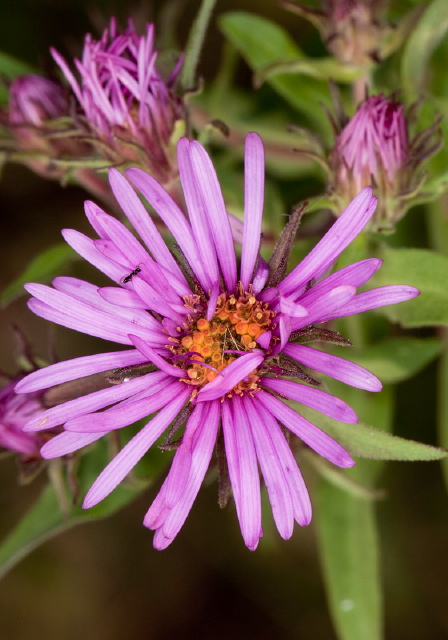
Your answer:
<point x="170" y="213"/>
<point x="198" y="217"/>
<point x="154" y="357"/>
<point x="171" y="522"/>
<point x="253" y="205"/>
<point x="127" y="413"/>
<point x="381" y="297"/>
<point x="334" y="299"/>
<point x="299" y="493"/>
<point x="309" y="433"/>
<point x="73" y="314"/>
<point x="93" y="401"/>
<point x="142" y="223"/>
<point x="77" y="368"/>
<point x="216" y="212"/>
<point x="133" y="451"/>
<point x="243" y="472"/>
<point x="231" y="375"/>
<point x="314" y="398"/>
<point x="342" y="233"/>
<point x="65" y="443"/>
<point x="333" y="366"/>
<point x="272" y="470"/>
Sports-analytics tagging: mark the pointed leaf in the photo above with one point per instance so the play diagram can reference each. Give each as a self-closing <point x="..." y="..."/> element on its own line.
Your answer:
<point x="263" y="43"/>
<point x="426" y="270"/>
<point x="43" y="268"/>
<point x="348" y="545"/>
<point x="367" y="442"/>
<point x="431" y="28"/>
<point x="320" y="68"/>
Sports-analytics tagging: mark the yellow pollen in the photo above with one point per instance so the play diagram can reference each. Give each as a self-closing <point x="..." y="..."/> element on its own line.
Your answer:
<point x="238" y="321"/>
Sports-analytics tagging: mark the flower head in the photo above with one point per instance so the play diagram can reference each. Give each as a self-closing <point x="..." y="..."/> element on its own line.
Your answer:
<point x="129" y="110"/>
<point x="373" y="148"/>
<point x="33" y="100"/>
<point x="214" y="343"/>
<point x="36" y="117"/>
<point x="352" y="30"/>
<point x="15" y="411"/>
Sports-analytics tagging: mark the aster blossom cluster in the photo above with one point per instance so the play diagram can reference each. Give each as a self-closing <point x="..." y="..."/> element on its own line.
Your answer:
<point x="215" y="343"/>
<point x="128" y="110"/>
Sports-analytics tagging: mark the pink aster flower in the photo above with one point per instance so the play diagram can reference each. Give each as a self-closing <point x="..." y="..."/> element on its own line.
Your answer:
<point x="126" y="103"/>
<point x="213" y="343"/>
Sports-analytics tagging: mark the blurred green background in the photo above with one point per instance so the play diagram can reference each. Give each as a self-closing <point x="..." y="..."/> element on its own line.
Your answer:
<point x="104" y="580"/>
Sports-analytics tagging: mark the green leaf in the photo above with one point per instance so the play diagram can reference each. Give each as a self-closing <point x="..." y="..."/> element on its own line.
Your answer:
<point x="43" y="268"/>
<point x="348" y="543"/>
<point x="397" y="359"/>
<point x="320" y="68"/>
<point x="340" y="478"/>
<point x="426" y="270"/>
<point x="54" y="511"/>
<point x="263" y="43"/>
<point x="45" y="520"/>
<point x="430" y="29"/>
<point x="368" y="442"/>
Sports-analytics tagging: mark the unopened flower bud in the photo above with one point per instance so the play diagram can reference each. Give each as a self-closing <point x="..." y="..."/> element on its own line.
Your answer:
<point x="129" y="111"/>
<point x="374" y="149"/>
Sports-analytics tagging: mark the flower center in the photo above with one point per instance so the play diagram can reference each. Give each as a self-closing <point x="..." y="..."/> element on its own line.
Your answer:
<point x="208" y="347"/>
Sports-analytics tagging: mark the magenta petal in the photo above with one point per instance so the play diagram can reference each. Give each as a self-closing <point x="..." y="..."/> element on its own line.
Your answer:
<point x="202" y="449"/>
<point x="230" y="376"/>
<point x="299" y="494"/>
<point x="154" y="357"/>
<point x="253" y="205"/>
<point x="314" y="398"/>
<point x="309" y="433"/>
<point x="168" y="211"/>
<point x="243" y="471"/>
<point x="334" y="299"/>
<point x="93" y="401"/>
<point x="272" y="470"/>
<point x="77" y="368"/>
<point x="133" y="451"/>
<point x="86" y="248"/>
<point x="353" y="275"/>
<point x="141" y="221"/>
<point x="351" y="222"/>
<point x="216" y="212"/>
<point x="122" y="415"/>
<point x="198" y="217"/>
<point x="333" y="366"/>
<point x="381" y="297"/>
<point x="65" y="443"/>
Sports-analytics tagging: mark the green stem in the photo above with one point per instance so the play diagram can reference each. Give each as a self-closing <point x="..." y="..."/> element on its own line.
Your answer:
<point x="195" y="42"/>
